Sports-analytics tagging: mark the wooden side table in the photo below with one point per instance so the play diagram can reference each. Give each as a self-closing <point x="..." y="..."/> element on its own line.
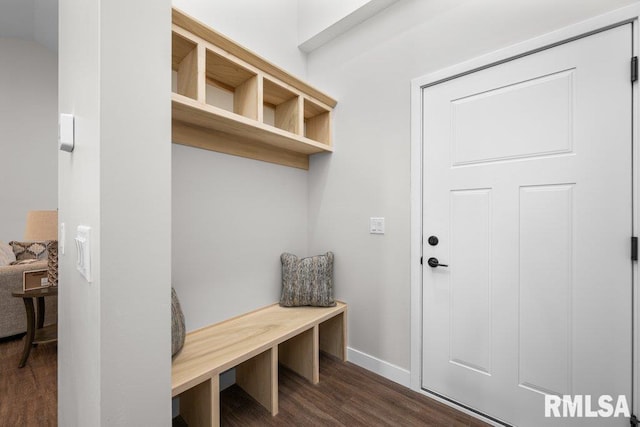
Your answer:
<point x="36" y="334"/>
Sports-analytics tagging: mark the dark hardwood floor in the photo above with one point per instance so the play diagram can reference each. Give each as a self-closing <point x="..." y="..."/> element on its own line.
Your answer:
<point x="28" y="396"/>
<point x="347" y="395"/>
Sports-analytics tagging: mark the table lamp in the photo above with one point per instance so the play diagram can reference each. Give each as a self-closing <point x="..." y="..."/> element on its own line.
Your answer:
<point x="43" y="226"/>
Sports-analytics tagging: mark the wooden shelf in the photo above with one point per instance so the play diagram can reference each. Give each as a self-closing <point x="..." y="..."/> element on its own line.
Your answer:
<point x="228" y="99"/>
<point x="46" y="334"/>
<point x="212" y="128"/>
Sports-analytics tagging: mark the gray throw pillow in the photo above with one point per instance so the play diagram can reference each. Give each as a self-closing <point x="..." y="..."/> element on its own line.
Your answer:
<point x="307" y="281"/>
<point x="177" y="324"/>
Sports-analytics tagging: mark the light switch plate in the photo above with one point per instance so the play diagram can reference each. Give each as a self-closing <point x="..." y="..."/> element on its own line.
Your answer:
<point x="83" y="247"/>
<point x="376" y="225"/>
<point x="66" y="140"/>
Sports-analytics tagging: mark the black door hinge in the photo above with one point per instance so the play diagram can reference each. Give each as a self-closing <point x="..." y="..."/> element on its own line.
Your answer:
<point x="634" y="248"/>
<point x="420" y="260"/>
<point x="634" y="69"/>
<point x="633" y="420"/>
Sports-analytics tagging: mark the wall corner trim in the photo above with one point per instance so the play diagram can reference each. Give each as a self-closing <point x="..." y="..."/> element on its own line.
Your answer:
<point x="343" y="25"/>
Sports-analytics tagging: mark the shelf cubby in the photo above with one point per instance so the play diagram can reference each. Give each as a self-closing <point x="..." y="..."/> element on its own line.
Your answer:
<point x="231" y="86"/>
<point x="228" y="99"/>
<point x="317" y="122"/>
<point x="184" y="62"/>
<point x="285" y="107"/>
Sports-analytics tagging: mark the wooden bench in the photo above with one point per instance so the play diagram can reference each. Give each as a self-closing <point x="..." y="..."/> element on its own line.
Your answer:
<point x="254" y="344"/>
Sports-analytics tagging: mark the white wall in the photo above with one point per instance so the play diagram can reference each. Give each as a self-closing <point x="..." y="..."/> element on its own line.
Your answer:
<point x="268" y="28"/>
<point x="233" y="217"/>
<point x="114" y="333"/>
<point x="45" y="23"/>
<point x="79" y="203"/>
<point x="369" y="70"/>
<point x="35" y="20"/>
<point x="29" y="123"/>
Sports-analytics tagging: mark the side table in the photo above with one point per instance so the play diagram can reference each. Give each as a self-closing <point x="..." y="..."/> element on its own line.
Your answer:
<point x="36" y="333"/>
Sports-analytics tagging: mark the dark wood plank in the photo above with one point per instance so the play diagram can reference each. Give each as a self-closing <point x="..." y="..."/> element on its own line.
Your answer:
<point x="28" y="396"/>
<point x="347" y="395"/>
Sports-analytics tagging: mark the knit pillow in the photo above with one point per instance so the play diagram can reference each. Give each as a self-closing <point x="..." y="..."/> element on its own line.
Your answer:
<point x="6" y="254"/>
<point x="177" y="324"/>
<point x="29" y="250"/>
<point x="307" y="281"/>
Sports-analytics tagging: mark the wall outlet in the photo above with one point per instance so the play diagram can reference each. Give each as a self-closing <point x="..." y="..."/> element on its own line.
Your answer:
<point x="376" y="225"/>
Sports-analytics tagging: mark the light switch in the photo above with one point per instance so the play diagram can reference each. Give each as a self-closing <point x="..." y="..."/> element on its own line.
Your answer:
<point x="66" y="140"/>
<point x="83" y="248"/>
<point x="376" y="225"/>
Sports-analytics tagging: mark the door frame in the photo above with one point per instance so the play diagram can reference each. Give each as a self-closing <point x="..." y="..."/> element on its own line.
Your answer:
<point x="628" y="14"/>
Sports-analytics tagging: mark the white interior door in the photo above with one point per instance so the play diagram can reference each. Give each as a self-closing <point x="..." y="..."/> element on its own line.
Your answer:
<point x="527" y="186"/>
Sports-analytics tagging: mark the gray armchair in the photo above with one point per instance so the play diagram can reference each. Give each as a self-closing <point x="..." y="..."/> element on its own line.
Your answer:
<point x="13" y="318"/>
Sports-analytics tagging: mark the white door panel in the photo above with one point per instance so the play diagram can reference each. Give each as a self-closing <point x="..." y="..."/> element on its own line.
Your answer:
<point x="548" y="98"/>
<point x="527" y="185"/>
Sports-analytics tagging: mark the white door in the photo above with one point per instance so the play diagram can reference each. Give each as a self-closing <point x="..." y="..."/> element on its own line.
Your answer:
<point x="527" y="186"/>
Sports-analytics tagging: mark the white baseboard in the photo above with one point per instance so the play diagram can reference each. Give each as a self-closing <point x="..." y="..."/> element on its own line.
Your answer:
<point x="380" y="367"/>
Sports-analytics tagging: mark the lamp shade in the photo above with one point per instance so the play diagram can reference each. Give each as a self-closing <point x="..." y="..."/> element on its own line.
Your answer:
<point x="41" y="226"/>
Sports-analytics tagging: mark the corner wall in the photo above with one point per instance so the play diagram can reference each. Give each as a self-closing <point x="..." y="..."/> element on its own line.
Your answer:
<point x="28" y="141"/>
<point x="114" y="363"/>
<point x="369" y="70"/>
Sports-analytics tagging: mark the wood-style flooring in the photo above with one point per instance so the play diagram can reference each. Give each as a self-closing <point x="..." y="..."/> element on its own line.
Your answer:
<point x="28" y="396"/>
<point x="347" y="395"/>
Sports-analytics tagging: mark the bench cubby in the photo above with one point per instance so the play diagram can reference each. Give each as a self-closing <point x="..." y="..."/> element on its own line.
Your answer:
<point x="254" y="344"/>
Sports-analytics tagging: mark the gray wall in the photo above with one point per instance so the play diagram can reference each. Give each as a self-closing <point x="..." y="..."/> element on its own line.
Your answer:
<point x="28" y="141"/>
<point x="232" y="218"/>
<point x="369" y="70"/>
<point x="114" y="333"/>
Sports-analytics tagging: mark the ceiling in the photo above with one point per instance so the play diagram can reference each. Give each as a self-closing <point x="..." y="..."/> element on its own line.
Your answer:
<point x="35" y="20"/>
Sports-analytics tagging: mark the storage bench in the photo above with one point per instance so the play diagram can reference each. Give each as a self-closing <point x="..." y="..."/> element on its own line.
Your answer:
<point x="254" y="344"/>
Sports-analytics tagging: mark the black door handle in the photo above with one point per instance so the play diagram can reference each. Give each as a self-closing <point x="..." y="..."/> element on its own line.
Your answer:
<point x="433" y="263"/>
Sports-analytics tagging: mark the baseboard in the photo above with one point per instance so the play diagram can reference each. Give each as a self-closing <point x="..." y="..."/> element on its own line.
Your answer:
<point x="380" y="367"/>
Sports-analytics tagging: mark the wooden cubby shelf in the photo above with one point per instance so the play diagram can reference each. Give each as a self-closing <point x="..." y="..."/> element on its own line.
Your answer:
<point x="228" y="99"/>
